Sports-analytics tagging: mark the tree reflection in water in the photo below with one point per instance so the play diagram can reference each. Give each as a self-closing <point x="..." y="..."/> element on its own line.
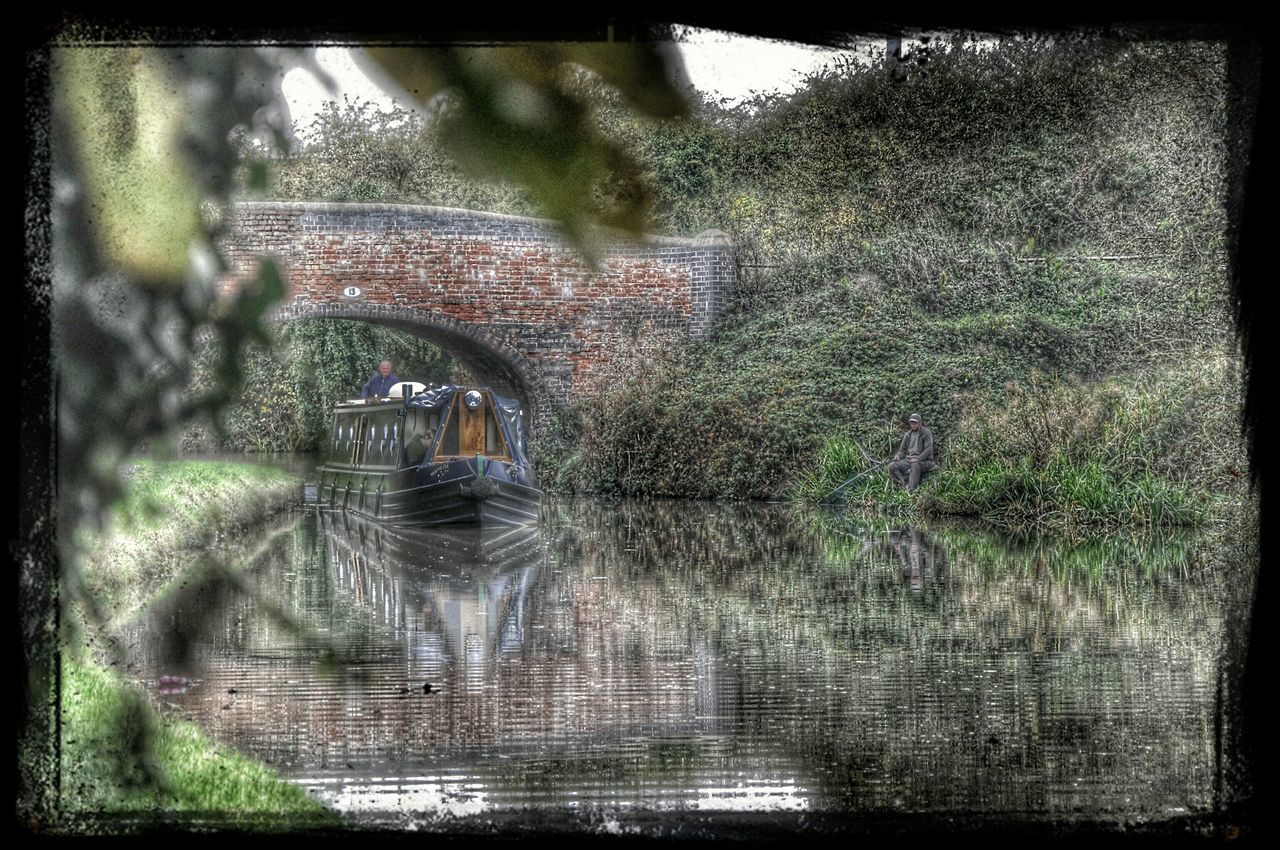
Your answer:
<point x="679" y="658"/>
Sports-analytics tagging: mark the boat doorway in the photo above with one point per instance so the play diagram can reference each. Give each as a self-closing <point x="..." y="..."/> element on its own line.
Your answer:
<point x="360" y="449"/>
<point x="472" y="430"/>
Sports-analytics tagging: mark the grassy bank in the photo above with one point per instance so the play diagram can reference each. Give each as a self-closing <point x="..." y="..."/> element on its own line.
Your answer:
<point x="124" y="764"/>
<point x="1055" y="454"/>
<point x="172" y="514"/>
<point x="127" y="767"/>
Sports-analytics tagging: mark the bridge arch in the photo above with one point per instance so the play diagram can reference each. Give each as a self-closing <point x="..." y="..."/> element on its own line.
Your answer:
<point x="488" y="357"/>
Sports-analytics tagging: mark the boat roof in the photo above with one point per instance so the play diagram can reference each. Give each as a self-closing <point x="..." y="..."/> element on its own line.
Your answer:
<point x="398" y="393"/>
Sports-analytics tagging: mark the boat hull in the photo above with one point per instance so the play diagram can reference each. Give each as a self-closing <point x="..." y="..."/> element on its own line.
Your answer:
<point x="397" y="498"/>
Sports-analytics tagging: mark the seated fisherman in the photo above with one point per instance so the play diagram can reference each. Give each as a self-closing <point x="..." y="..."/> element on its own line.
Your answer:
<point x="381" y="383"/>
<point x="915" y="454"/>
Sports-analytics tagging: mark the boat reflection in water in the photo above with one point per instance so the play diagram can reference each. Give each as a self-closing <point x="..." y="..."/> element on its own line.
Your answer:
<point x="503" y="658"/>
<point x="467" y="586"/>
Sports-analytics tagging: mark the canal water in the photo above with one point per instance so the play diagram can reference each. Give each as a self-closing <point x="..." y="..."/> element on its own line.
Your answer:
<point x="665" y="667"/>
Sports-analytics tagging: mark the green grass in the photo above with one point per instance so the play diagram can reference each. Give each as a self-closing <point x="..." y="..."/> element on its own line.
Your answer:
<point x="186" y="494"/>
<point x="841" y="459"/>
<point x="172" y="512"/>
<point x="124" y="765"/>
<point x="1068" y="497"/>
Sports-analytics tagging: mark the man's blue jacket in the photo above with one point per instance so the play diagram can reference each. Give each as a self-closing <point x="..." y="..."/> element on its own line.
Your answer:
<point x="378" y="385"/>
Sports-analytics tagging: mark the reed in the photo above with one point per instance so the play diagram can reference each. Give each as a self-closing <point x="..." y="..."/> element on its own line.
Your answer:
<point x="840" y="459"/>
<point x="1070" y="497"/>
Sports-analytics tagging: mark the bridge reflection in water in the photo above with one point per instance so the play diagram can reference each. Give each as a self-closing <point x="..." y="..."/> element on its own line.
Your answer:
<point x="665" y="660"/>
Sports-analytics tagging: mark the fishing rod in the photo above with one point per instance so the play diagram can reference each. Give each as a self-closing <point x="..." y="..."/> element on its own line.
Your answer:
<point x="874" y="466"/>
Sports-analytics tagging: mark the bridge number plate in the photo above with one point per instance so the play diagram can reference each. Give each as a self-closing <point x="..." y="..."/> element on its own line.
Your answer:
<point x="352" y="292"/>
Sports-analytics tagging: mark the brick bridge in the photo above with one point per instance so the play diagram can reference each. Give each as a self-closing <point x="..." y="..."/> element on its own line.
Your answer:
<point x="507" y="296"/>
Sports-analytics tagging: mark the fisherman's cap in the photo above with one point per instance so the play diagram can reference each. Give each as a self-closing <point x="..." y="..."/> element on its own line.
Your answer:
<point x="915" y="417"/>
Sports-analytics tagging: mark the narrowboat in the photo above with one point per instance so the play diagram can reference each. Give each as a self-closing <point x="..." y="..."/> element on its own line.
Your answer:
<point x="446" y="455"/>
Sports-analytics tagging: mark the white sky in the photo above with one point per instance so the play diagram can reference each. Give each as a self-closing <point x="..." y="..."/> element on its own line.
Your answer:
<point x="735" y="66"/>
<point x="720" y="64"/>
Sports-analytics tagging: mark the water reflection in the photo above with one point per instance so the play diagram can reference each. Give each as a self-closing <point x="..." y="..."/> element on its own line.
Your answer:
<point x="919" y="557"/>
<point x="676" y="658"/>
<point x="464" y="590"/>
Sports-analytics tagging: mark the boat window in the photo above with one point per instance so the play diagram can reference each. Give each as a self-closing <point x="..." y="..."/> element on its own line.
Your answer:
<point x="495" y="444"/>
<point x="449" y="442"/>
<point x="492" y="444"/>
<point x="416" y="425"/>
<point x="357" y="439"/>
<point x="418" y="435"/>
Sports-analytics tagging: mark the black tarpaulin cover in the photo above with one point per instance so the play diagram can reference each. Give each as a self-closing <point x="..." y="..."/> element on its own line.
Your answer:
<point x="508" y="410"/>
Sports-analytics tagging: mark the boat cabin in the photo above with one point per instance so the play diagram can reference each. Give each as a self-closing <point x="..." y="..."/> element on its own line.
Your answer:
<point x="435" y="426"/>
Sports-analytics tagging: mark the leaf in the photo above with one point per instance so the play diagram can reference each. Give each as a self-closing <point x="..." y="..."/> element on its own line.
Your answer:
<point x="126" y="118"/>
<point x="259" y="171"/>
<point x="642" y="73"/>
<point x="412" y="69"/>
<point x="514" y="113"/>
